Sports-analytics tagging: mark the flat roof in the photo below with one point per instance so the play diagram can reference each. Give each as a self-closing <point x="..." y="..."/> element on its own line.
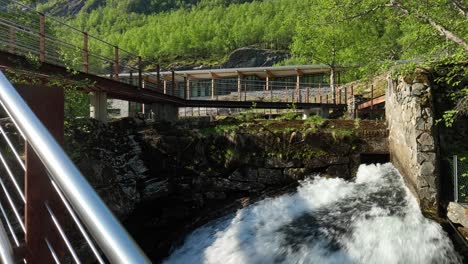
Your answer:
<point x="260" y="72"/>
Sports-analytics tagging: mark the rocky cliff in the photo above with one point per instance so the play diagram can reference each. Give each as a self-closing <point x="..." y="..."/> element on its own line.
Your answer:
<point x="165" y="180"/>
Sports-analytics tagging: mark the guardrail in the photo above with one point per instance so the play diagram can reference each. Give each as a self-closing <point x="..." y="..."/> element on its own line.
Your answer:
<point x="38" y="37"/>
<point x="91" y="224"/>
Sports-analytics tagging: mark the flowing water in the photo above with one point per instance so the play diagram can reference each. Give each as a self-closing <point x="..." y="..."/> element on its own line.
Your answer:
<point x="371" y="220"/>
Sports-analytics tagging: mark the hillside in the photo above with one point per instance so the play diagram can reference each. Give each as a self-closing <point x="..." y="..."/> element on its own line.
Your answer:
<point x="67" y="8"/>
<point x="369" y="33"/>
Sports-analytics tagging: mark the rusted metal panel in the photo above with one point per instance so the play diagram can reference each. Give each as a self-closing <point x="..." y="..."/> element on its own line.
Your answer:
<point x="42" y="38"/>
<point x="375" y="101"/>
<point x="48" y="105"/>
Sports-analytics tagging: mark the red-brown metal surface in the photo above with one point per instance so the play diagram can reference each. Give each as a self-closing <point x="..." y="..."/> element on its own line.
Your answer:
<point x="85" y="53"/>
<point x="42" y="38"/>
<point x="116" y="63"/>
<point x="375" y="101"/>
<point x="48" y="105"/>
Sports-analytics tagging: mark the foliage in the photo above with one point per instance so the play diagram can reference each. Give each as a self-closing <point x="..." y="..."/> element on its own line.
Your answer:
<point x="314" y="121"/>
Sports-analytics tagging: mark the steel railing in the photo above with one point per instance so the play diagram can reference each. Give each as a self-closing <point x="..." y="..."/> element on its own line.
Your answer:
<point x="460" y="178"/>
<point x="98" y="226"/>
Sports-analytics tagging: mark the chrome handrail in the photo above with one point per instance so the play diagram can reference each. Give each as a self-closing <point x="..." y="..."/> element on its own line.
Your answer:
<point x="116" y="244"/>
<point x="6" y="252"/>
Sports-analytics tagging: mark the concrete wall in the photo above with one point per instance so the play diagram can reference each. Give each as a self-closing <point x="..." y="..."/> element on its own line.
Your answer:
<point x="410" y="119"/>
<point x="118" y="108"/>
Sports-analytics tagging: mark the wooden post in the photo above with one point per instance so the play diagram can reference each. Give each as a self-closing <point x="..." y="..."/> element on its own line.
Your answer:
<point x="48" y="105"/>
<point x="307" y="95"/>
<point x="140" y="77"/>
<point x="212" y="88"/>
<point x="286" y="95"/>
<point x="158" y="77"/>
<point x="85" y="53"/>
<point x="11" y="41"/>
<point x="164" y="87"/>
<point x="327" y="99"/>
<point x="116" y="63"/>
<point x="42" y="51"/>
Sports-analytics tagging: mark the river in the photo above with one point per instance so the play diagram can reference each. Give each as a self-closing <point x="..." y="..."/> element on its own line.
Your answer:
<point x="373" y="219"/>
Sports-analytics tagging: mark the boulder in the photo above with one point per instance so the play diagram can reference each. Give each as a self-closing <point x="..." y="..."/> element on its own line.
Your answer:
<point x="155" y="189"/>
<point x="458" y="213"/>
<point x="254" y="57"/>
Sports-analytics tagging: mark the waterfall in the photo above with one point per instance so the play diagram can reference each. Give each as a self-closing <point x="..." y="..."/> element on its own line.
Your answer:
<point x="374" y="219"/>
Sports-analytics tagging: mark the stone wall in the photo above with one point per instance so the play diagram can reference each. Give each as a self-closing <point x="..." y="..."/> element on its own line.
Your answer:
<point x="410" y="120"/>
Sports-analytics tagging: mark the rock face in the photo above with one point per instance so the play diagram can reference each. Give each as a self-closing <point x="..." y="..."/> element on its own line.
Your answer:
<point x="458" y="213"/>
<point x="410" y="118"/>
<point x="163" y="180"/>
<point x="254" y="57"/>
<point x="109" y="157"/>
<point x="71" y="7"/>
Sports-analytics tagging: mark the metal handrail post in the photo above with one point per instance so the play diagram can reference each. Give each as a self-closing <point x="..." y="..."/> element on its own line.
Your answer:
<point x="109" y="234"/>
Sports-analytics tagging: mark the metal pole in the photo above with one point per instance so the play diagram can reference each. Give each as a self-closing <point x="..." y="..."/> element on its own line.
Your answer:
<point x="173" y="84"/>
<point x="372" y="101"/>
<point x="158" y="77"/>
<point x="42" y="38"/>
<point x="239" y="87"/>
<point x="140" y="77"/>
<point x="245" y="92"/>
<point x="455" y="178"/>
<point x="116" y="63"/>
<point x="85" y="53"/>
<point x="212" y="88"/>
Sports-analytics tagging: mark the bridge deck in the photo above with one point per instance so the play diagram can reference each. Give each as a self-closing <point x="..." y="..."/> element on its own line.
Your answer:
<point x="125" y="91"/>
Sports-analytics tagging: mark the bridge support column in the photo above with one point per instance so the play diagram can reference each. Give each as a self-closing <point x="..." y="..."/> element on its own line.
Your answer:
<point x="165" y="112"/>
<point x="98" y="107"/>
<point x="320" y="111"/>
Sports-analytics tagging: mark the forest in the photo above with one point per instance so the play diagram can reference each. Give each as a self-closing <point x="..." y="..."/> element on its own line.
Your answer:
<point x="368" y="33"/>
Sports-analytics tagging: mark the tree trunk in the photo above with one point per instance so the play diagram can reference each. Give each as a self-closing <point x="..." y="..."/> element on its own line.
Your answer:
<point x="440" y="28"/>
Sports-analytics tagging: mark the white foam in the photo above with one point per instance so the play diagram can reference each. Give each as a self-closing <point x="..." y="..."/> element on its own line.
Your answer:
<point x="372" y="220"/>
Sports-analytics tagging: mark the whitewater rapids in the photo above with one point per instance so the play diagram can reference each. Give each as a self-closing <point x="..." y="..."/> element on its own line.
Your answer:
<point x="371" y="220"/>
